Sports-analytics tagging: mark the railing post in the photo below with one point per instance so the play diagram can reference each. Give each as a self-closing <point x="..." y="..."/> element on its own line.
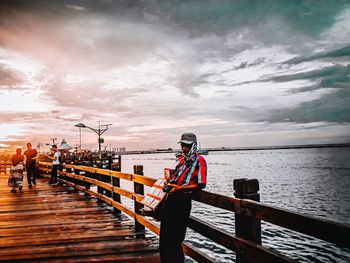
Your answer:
<point x="59" y="176"/>
<point x="116" y="182"/>
<point x="108" y="178"/>
<point x="87" y="184"/>
<point x="119" y="163"/>
<point x="67" y="178"/>
<point x="99" y="177"/>
<point x="76" y="181"/>
<point x="138" y="189"/>
<point x="247" y="227"/>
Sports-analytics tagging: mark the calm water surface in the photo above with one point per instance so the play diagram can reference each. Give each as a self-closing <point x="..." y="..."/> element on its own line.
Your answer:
<point x="309" y="181"/>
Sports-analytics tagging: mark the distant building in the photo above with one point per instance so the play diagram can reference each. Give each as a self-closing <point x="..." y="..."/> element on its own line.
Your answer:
<point x="64" y="145"/>
<point x="163" y="150"/>
<point x="122" y="149"/>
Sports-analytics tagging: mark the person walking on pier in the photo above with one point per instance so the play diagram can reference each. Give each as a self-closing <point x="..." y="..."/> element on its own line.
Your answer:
<point x="55" y="164"/>
<point x="31" y="156"/>
<point x="190" y="175"/>
<point x="16" y="173"/>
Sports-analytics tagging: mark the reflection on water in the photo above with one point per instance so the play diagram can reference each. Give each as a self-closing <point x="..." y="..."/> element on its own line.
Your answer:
<point x="309" y="181"/>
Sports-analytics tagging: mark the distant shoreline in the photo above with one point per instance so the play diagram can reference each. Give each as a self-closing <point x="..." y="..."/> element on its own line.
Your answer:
<point x="257" y="148"/>
<point x="224" y="149"/>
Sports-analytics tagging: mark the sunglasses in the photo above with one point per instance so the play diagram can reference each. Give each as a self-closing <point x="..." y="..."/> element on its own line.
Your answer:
<point x="185" y="145"/>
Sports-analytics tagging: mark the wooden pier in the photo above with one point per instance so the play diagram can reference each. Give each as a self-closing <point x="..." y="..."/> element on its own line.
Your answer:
<point x="59" y="224"/>
<point x="87" y="220"/>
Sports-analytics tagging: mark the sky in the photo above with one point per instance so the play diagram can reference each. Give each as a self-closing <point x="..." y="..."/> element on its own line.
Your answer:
<point x="236" y="73"/>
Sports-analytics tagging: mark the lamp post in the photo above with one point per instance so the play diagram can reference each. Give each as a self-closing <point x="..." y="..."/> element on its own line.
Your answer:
<point x="78" y="125"/>
<point x="98" y="131"/>
<point x="53" y="140"/>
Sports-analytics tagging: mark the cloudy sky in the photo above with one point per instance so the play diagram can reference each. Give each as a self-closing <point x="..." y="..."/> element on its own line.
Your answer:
<point x="237" y="73"/>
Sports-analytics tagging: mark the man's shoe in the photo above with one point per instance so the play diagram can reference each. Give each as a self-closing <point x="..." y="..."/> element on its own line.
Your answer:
<point x="20" y="188"/>
<point x="13" y="191"/>
<point x="30" y="186"/>
<point x="34" y="183"/>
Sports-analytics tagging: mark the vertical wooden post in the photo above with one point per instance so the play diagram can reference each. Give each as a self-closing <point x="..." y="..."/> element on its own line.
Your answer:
<point x="108" y="178"/>
<point x="87" y="184"/>
<point x="119" y="163"/>
<point x="116" y="182"/>
<point x="68" y="170"/>
<point x="99" y="177"/>
<point x="138" y="189"/>
<point x="63" y="177"/>
<point x="75" y="181"/>
<point x="247" y="227"/>
<point x="60" y="169"/>
<point x="99" y="189"/>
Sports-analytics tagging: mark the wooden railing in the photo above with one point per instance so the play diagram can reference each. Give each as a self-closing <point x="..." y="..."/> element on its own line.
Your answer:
<point x="246" y="242"/>
<point x="5" y="166"/>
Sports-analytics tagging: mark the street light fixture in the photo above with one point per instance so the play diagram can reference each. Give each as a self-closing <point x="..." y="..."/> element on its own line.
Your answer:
<point x="98" y="131"/>
<point x="80" y="125"/>
<point x="53" y="140"/>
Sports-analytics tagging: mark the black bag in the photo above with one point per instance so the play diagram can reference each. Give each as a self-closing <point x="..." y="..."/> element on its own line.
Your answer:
<point x="157" y="213"/>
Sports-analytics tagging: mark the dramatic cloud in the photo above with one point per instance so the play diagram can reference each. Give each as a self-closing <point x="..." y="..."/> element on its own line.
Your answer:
<point x="235" y="72"/>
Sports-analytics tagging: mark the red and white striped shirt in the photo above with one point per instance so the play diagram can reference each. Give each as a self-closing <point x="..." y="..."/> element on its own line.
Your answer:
<point x="191" y="172"/>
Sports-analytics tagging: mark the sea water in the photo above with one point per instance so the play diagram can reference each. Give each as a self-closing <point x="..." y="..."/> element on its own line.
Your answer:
<point x="309" y="181"/>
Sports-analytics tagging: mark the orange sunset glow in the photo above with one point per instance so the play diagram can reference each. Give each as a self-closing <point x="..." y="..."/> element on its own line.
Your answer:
<point x="154" y="72"/>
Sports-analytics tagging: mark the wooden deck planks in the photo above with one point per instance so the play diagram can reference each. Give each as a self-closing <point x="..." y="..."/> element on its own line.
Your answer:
<point x="58" y="224"/>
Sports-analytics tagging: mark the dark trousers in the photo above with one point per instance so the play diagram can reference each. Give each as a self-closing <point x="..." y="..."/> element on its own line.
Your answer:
<point x="31" y="172"/>
<point x="54" y="170"/>
<point x="177" y="209"/>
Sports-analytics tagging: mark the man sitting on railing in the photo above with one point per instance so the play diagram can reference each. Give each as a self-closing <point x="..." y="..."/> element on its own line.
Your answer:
<point x="190" y="175"/>
<point x="55" y="165"/>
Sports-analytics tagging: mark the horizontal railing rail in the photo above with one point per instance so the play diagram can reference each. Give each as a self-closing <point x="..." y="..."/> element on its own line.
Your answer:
<point x="324" y="229"/>
<point x="5" y="166"/>
<point x="250" y="250"/>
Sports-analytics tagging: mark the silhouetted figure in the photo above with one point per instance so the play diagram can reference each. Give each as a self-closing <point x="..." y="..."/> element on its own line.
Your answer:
<point x="55" y="164"/>
<point x="190" y="175"/>
<point x="16" y="173"/>
<point x="31" y="156"/>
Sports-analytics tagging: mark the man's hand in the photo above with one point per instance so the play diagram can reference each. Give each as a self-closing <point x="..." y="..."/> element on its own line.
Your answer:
<point x="174" y="188"/>
<point x="168" y="188"/>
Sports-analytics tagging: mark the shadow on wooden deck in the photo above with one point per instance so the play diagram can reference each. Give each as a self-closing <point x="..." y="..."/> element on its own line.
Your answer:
<point x="57" y="224"/>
